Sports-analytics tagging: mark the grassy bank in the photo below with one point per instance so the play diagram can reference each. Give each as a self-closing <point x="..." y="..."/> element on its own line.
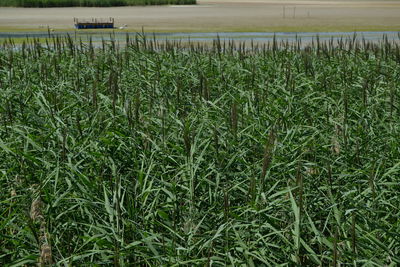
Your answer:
<point x="90" y="3"/>
<point x="155" y="155"/>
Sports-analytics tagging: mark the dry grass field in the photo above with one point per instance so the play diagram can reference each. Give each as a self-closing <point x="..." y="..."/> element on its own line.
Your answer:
<point x="221" y="15"/>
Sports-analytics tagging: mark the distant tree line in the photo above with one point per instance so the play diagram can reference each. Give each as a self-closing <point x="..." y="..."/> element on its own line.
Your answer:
<point x="90" y="3"/>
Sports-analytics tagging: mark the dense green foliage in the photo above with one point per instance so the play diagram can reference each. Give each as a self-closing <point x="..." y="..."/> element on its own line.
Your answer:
<point x="157" y="155"/>
<point x="91" y="3"/>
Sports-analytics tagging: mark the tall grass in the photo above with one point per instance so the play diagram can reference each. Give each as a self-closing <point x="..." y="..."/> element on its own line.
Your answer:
<point x="154" y="154"/>
<point x="91" y="3"/>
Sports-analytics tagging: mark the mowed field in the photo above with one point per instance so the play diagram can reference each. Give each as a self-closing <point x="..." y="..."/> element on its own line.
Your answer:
<point x="212" y="15"/>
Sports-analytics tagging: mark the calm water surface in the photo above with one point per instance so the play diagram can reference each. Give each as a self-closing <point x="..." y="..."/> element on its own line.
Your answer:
<point x="210" y="36"/>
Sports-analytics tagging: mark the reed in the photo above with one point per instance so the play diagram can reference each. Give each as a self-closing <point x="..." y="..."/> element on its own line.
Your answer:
<point x="163" y="153"/>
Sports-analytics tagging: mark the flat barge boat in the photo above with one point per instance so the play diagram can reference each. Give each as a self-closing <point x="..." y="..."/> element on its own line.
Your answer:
<point x="94" y="23"/>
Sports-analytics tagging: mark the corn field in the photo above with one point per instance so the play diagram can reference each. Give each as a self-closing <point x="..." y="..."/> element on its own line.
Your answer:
<point x="161" y="154"/>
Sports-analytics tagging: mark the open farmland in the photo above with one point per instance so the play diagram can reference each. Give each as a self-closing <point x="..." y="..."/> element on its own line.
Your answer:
<point x="157" y="155"/>
<point x="219" y="16"/>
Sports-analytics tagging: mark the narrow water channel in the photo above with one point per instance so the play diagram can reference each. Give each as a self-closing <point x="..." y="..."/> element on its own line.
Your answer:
<point x="210" y="36"/>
